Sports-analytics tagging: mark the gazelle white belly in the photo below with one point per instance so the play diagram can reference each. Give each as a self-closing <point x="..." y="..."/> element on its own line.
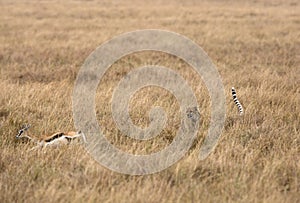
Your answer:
<point x="57" y="142"/>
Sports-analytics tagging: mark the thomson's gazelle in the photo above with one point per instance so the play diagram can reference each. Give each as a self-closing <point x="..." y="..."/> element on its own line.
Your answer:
<point x="56" y="139"/>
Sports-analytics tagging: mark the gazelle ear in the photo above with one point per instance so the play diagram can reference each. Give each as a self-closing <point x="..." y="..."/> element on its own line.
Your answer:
<point x="26" y="126"/>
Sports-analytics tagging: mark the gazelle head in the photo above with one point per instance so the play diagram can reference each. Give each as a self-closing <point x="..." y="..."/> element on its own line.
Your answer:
<point x="23" y="132"/>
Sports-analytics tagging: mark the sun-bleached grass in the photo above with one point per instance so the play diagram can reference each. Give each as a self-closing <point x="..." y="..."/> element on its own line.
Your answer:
<point x="255" y="46"/>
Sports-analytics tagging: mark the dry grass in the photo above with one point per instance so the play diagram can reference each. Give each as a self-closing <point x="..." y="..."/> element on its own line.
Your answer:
<point x="255" y="46"/>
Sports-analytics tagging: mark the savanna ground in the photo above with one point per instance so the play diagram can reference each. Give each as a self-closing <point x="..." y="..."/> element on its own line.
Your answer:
<point x="255" y="46"/>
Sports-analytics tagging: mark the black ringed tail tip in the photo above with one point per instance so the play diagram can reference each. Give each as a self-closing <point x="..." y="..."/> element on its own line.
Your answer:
<point x="236" y="101"/>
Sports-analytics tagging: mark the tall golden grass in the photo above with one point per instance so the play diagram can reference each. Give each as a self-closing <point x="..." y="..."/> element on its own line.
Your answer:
<point x="255" y="46"/>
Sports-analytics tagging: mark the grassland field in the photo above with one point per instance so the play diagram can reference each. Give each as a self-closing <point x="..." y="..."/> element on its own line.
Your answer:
<point x="255" y="46"/>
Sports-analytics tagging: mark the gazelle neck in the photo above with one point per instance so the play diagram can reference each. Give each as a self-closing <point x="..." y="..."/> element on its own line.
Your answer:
<point x="33" y="139"/>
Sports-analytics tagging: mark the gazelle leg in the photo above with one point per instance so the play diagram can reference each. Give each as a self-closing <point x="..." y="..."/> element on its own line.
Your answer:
<point x="35" y="148"/>
<point x="84" y="138"/>
<point x="78" y="135"/>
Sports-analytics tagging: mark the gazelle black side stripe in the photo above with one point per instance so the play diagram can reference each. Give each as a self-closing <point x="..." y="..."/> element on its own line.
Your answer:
<point x="58" y="135"/>
<point x="236" y="101"/>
